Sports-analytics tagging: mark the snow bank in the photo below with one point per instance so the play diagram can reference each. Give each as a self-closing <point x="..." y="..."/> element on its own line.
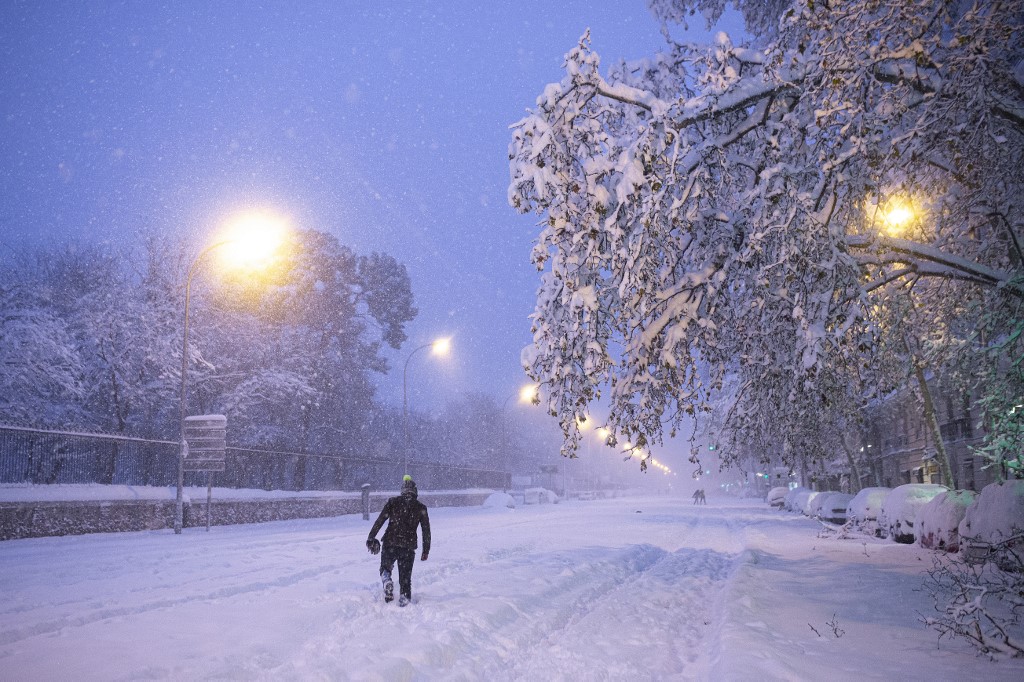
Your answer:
<point x="500" y="500"/>
<point x="997" y="513"/>
<point x="938" y="521"/>
<point x="899" y="511"/>
<point x="89" y="492"/>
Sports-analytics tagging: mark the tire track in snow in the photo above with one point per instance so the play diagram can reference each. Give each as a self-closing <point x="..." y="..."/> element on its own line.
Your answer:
<point x="102" y="612"/>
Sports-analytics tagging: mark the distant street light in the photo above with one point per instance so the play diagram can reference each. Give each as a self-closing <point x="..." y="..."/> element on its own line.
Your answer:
<point x="526" y="394"/>
<point x="249" y="242"/>
<point x="440" y="347"/>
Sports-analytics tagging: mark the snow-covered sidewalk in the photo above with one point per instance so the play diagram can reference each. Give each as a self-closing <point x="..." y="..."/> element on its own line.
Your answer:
<point x="634" y="588"/>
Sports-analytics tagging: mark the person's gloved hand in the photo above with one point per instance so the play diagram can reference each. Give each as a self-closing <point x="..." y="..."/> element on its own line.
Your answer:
<point x="423" y="557"/>
<point x="373" y="546"/>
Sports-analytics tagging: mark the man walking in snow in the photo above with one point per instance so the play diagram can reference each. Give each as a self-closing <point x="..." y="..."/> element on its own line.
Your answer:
<point x="404" y="514"/>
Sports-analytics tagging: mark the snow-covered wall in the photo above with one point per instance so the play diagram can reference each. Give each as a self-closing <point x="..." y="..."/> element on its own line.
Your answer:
<point x="26" y="519"/>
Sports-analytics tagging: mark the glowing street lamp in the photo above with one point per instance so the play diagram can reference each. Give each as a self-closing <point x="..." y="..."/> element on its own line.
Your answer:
<point x="897" y="214"/>
<point x="526" y="395"/>
<point x="250" y="241"/>
<point x="440" y="347"/>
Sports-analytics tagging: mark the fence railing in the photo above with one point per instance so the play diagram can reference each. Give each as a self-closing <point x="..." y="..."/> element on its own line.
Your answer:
<point x="41" y="456"/>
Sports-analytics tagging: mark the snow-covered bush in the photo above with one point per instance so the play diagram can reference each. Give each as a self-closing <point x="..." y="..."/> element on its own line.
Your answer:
<point x="978" y="595"/>
<point x="938" y="521"/>
<point x="996" y="515"/>
<point x="865" y="507"/>
<point x="777" y="496"/>
<point x="500" y="500"/>
<point x="833" y="507"/>
<point x="899" y="511"/>
<point x="980" y="602"/>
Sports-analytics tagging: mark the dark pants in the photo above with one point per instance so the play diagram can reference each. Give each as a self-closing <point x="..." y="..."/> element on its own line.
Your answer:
<point x="405" y="556"/>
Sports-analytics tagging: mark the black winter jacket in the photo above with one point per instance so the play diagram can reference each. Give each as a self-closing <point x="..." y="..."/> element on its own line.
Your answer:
<point x="404" y="514"/>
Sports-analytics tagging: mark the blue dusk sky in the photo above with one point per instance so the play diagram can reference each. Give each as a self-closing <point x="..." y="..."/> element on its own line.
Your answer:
<point x="385" y="124"/>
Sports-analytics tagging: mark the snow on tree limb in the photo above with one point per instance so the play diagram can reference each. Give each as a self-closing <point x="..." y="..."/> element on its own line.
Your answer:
<point x="715" y="207"/>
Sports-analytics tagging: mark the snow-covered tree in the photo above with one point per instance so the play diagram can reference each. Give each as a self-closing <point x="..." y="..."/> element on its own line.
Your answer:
<point x="731" y="210"/>
<point x="41" y="370"/>
<point x="292" y="360"/>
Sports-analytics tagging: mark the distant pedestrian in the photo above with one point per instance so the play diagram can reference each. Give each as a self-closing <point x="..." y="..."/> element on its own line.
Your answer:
<point x="696" y="496"/>
<point x="703" y="499"/>
<point x="404" y="514"/>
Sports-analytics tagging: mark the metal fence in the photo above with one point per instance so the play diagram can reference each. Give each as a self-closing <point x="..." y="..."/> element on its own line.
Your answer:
<point x="42" y="456"/>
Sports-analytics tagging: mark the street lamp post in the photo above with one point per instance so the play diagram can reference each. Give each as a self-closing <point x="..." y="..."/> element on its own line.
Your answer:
<point x="178" y="501"/>
<point x="526" y="394"/>
<point x="438" y="347"/>
<point x="257" y="236"/>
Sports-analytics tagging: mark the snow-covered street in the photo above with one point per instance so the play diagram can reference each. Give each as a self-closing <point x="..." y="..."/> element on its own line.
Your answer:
<point x="629" y="588"/>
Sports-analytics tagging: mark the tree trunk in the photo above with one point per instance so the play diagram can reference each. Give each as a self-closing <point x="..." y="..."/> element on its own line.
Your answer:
<point x="854" y="471"/>
<point x="933" y="425"/>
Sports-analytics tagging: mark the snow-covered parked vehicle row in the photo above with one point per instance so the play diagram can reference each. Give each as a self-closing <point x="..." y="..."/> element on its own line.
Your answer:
<point x="827" y="505"/>
<point x="899" y="511"/>
<point x="978" y="525"/>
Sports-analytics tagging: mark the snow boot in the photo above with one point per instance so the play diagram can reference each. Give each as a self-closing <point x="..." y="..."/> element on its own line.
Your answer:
<point x="389" y="588"/>
<point x="403" y="600"/>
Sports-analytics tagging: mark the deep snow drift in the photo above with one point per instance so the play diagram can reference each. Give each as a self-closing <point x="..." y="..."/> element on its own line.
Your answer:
<point x="630" y="588"/>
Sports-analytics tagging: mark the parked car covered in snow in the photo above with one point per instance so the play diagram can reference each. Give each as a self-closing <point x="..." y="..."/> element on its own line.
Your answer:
<point x="899" y="511"/>
<point x="938" y="521"/>
<point x="814" y="506"/>
<point x="777" y="496"/>
<point x="802" y="502"/>
<point x="790" y="503"/>
<point x="865" y="508"/>
<point x="996" y="516"/>
<point x="832" y="507"/>
<point x="539" y="496"/>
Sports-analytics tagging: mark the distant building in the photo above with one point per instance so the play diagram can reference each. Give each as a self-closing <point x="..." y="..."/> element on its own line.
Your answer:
<point x="898" y="447"/>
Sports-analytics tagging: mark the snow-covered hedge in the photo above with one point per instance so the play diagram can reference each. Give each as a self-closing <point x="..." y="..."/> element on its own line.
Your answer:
<point x="899" y="511"/>
<point x="996" y="515"/>
<point x="938" y="521"/>
<point x="777" y="496"/>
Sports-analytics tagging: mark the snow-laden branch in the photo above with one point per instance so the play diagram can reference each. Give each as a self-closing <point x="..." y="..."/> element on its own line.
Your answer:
<point x="932" y="261"/>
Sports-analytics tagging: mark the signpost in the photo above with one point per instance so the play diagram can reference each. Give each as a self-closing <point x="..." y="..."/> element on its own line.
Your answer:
<point x="204" y="447"/>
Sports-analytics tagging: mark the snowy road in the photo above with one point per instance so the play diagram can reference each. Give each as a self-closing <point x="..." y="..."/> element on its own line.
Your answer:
<point x="635" y="588"/>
